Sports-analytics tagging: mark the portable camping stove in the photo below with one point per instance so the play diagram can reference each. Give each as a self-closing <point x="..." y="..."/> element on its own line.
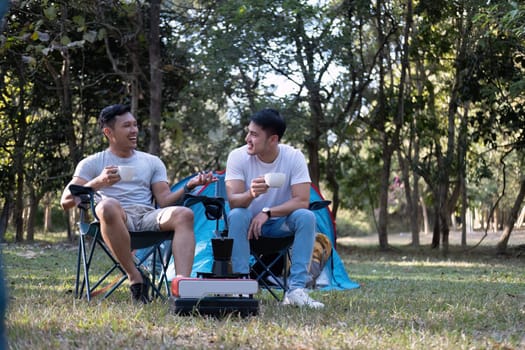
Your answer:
<point x="217" y="293"/>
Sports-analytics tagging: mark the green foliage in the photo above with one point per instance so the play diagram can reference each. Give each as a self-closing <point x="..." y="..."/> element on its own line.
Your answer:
<point x="354" y="223"/>
<point x="221" y="61"/>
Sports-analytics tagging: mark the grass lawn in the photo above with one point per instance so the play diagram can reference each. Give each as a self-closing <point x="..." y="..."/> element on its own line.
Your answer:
<point x="409" y="299"/>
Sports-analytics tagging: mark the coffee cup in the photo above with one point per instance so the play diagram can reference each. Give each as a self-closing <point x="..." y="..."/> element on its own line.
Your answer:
<point x="274" y="179"/>
<point x="126" y="172"/>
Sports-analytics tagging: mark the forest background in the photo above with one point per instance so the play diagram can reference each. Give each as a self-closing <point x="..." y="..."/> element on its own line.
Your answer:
<point x="404" y="109"/>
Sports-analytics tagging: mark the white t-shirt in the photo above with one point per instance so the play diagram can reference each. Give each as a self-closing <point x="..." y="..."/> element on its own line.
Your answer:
<point x="245" y="167"/>
<point x="149" y="169"/>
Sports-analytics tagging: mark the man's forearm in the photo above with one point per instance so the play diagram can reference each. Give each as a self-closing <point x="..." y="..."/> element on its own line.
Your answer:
<point x="286" y="208"/>
<point x="240" y="200"/>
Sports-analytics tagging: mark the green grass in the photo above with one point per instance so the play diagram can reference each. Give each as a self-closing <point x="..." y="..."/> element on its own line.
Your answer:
<point x="409" y="299"/>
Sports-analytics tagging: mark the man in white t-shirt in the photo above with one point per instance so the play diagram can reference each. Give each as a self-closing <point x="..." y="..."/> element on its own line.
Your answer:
<point x="258" y="210"/>
<point x="124" y="205"/>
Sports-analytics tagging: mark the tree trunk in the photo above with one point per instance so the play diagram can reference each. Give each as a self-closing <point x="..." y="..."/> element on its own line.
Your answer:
<point x="495" y="219"/>
<point x="501" y="246"/>
<point x="444" y="233"/>
<point x="155" y="84"/>
<point x="462" y="174"/>
<point x="442" y="211"/>
<point x="382" y="114"/>
<point x="412" y="192"/>
<point x="4" y="216"/>
<point x="424" y="213"/>
<point x="464" y="204"/>
<point x="31" y="216"/>
<point x="412" y="210"/>
<point x="48" y="211"/>
<point x="442" y="215"/>
<point x="19" y="160"/>
<point x="312" y="143"/>
<point x="435" y="227"/>
<point x="331" y="178"/>
<point x="69" y="231"/>
<point x="306" y="50"/>
<point x="414" y="216"/>
<point x="383" y="197"/>
<point x="519" y="223"/>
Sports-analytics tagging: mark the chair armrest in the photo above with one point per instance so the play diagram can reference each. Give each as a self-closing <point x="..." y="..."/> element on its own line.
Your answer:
<point x="78" y="190"/>
<point x="84" y="193"/>
<point x="214" y="206"/>
<point x="87" y="200"/>
<point x="319" y="204"/>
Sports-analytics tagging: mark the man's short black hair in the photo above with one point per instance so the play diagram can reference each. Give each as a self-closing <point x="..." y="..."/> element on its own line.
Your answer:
<point x="270" y="121"/>
<point x="108" y="114"/>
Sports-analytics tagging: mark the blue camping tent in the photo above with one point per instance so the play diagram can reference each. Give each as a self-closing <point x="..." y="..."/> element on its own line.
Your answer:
<point x="334" y="275"/>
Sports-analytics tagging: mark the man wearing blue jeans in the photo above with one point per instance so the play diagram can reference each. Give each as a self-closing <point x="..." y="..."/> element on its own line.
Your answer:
<point x="258" y="208"/>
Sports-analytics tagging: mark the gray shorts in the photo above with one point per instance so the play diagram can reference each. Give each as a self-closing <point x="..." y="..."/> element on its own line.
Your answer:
<point x="141" y="218"/>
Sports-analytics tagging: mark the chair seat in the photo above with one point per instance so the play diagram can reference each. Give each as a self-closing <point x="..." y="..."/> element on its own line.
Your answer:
<point x="144" y="239"/>
<point x="271" y="256"/>
<point x="268" y="245"/>
<point x="139" y="239"/>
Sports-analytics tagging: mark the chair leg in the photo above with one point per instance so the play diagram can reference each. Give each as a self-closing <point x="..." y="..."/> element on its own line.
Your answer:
<point x="87" y="264"/>
<point x="85" y="257"/>
<point x="269" y="289"/>
<point x="116" y="266"/>
<point x="84" y="260"/>
<point x="164" y="258"/>
<point x="156" y="255"/>
<point x="79" y="260"/>
<point x="286" y="269"/>
<point x="268" y="272"/>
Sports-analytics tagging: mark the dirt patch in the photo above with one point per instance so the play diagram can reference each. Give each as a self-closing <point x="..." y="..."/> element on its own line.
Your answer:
<point x="404" y="238"/>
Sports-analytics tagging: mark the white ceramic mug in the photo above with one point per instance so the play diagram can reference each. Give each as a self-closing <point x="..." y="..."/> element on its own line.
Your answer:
<point x="274" y="179"/>
<point x="126" y="172"/>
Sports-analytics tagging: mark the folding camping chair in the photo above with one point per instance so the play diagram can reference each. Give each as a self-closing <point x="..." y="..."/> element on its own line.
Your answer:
<point x="90" y="237"/>
<point x="272" y="256"/>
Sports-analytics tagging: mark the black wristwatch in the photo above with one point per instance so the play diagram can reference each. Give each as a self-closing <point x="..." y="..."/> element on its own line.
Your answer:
<point x="267" y="211"/>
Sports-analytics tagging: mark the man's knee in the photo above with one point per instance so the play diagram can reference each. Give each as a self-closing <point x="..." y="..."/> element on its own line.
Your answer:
<point x="239" y="214"/>
<point x="305" y="216"/>
<point x="239" y="220"/>
<point x="182" y="215"/>
<point x="108" y="208"/>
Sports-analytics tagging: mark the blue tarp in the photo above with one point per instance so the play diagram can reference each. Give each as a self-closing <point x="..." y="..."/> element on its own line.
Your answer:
<point x="334" y="275"/>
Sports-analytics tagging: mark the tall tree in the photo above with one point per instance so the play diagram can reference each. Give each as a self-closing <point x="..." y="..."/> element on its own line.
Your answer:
<point x="308" y="47"/>
<point x="155" y="81"/>
<point x="500" y="77"/>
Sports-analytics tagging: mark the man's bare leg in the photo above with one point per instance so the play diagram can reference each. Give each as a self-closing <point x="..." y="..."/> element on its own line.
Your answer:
<point x="180" y="219"/>
<point x="116" y="235"/>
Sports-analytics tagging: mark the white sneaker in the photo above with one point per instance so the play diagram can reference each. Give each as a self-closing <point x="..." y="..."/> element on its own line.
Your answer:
<point x="299" y="297"/>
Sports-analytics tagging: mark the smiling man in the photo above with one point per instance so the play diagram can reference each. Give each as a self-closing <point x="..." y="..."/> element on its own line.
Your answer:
<point x="260" y="210"/>
<point x="127" y="205"/>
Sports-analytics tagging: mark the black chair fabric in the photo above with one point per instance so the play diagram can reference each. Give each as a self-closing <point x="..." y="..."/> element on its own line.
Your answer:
<point x="271" y="261"/>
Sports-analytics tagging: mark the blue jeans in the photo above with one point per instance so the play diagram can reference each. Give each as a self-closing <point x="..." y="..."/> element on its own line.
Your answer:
<point x="300" y="223"/>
